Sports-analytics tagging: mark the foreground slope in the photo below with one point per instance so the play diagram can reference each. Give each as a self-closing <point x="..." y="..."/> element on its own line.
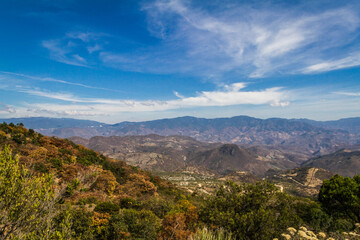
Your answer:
<point x="95" y="175"/>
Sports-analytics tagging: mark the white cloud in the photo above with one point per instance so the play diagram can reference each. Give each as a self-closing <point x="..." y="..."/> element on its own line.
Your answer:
<point x="63" y="54"/>
<point x="280" y="104"/>
<point x="178" y="94"/>
<point x="49" y="79"/>
<point x="6" y="108"/>
<point x="351" y="61"/>
<point x="94" y="48"/>
<point x="230" y="95"/>
<point x="253" y="40"/>
<point x="61" y="111"/>
<point x="257" y="40"/>
<point x="352" y="94"/>
<point x="66" y="49"/>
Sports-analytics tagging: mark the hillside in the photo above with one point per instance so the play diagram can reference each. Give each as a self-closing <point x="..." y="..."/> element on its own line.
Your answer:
<point x="230" y="157"/>
<point x="302" y="181"/>
<point x="351" y="125"/>
<point x="173" y="153"/>
<point x="90" y="189"/>
<point x="310" y="138"/>
<point x="151" y="152"/>
<point x="344" y="162"/>
<point x="100" y="177"/>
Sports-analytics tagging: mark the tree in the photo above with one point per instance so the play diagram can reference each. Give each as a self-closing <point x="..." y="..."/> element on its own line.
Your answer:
<point x="258" y="211"/>
<point x="340" y="197"/>
<point x="26" y="201"/>
<point x="181" y="222"/>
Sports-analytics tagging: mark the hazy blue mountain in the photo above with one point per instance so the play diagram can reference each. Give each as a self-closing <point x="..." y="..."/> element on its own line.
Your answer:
<point x="303" y="136"/>
<point x="349" y="124"/>
<point x="48" y="123"/>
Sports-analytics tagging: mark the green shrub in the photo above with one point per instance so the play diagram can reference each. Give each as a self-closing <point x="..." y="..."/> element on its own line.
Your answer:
<point x="107" y="207"/>
<point x="341" y="225"/>
<point x="57" y="163"/>
<point x="250" y="211"/>
<point x="40" y="167"/>
<point x="88" y="200"/>
<point x="117" y="169"/>
<point x="312" y="214"/>
<point x="140" y="224"/>
<point x="65" y="151"/>
<point x="159" y="206"/>
<point x="81" y="224"/>
<point x="31" y="132"/>
<point x="340" y="197"/>
<point x="26" y="201"/>
<point x="19" y="138"/>
<point x="129" y="203"/>
<point x="88" y="157"/>
<point x="71" y="187"/>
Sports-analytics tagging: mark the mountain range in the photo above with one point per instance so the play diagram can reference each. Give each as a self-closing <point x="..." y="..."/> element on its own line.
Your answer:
<point x="214" y="148"/>
<point x="302" y="136"/>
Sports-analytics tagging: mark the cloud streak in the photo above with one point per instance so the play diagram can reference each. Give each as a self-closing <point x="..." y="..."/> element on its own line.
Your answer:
<point x="351" y="94"/>
<point x="50" y="79"/>
<point x="351" y="61"/>
<point x="234" y="94"/>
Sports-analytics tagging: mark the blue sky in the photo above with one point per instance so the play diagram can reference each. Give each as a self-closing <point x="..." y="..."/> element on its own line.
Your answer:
<point x="115" y="61"/>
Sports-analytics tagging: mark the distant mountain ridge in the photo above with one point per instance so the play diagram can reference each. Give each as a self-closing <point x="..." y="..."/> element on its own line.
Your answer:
<point x="308" y="137"/>
<point x="52" y="123"/>
<point x="351" y="125"/>
<point x="348" y="124"/>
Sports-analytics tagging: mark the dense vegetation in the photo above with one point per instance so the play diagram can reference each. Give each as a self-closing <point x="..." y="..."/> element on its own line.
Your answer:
<point x="54" y="189"/>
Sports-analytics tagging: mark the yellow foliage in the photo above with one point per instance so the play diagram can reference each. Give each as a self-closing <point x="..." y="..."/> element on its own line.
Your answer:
<point x="39" y="153"/>
<point x="106" y="182"/>
<point x="100" y="221"/>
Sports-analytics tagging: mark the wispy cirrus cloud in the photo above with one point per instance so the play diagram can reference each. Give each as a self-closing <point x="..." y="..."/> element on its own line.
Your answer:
<point x="256" y="41"/>
<point x="352" y="94"/>
<point x="234" y="94"/>
<point x="64" y="54"/>
<point x="50" y="79"/>
<point x="252" y="40"/>
<point x="75" y="48"/>
<point x="351" y="61"/>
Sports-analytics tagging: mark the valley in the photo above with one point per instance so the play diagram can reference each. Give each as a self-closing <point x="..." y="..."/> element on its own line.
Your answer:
<point x="152" y="175"/>
<point x="200" y="154"/>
